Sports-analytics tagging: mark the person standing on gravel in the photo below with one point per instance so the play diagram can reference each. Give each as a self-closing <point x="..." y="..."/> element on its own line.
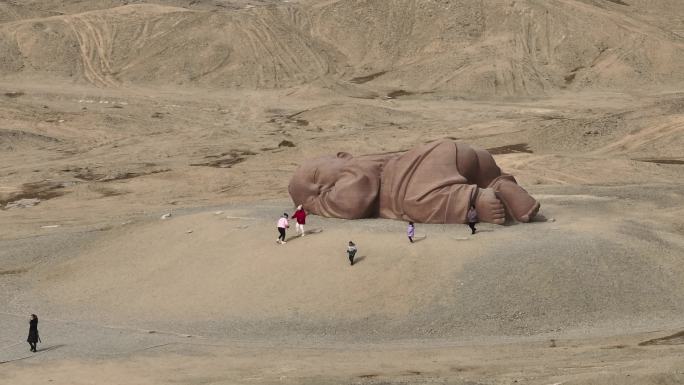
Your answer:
<point x="472" y="218"/>
<point x="351" y="252"/>
<point x="300" y="217"/>
<point x="282" y="225"/>
<point x="411" y="231"/>
<point x="33" y="337"/>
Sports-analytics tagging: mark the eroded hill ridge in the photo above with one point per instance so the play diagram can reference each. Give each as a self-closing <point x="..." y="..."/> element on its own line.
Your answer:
<point x="501" y="47"/>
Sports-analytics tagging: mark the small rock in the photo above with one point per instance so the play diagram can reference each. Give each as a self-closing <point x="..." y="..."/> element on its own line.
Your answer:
<point x="22" y="203"/>
<point x="286" y="143"/>
<point x="189" y="232"/>
<point x="49" y="226"/>
<point x="552" y="219"/>
<point x="218" y="213"/>
<point x="166" y="216"/>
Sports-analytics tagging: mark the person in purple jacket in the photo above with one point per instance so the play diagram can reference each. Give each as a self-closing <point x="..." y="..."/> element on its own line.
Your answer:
<point x="472" y="218"/>
<point x="411" y="231"/>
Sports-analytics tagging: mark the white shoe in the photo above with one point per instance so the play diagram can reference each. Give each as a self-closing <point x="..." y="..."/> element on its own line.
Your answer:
<point x="283" y="242"/>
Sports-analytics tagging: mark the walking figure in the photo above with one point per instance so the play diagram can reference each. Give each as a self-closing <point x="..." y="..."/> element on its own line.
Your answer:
<point x="300" y="217"/>
<point x="351" y="252"/>
<point x="33" y="337"/>
<point x="282" y="225"/>
<point x="411" y="231"/>
<point x="472" y="218"/>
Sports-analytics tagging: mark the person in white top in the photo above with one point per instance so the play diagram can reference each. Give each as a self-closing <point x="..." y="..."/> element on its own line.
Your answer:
<point x="282" y="225"/>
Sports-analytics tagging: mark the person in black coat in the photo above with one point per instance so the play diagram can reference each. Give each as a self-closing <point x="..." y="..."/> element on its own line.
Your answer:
<point x="33" y="337"/>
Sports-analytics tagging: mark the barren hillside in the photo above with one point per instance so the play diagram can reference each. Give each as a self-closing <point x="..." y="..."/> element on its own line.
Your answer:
<point x="467" y="48"/>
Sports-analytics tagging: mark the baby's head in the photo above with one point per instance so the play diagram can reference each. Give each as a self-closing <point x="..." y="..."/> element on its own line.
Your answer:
<point x="317" y="174"/>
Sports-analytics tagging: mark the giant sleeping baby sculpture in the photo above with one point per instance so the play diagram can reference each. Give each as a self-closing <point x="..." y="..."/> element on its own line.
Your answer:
<point x="432" y="183"/>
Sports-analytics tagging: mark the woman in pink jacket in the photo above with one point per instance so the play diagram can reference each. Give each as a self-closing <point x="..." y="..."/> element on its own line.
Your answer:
<point x="282" y="225"/>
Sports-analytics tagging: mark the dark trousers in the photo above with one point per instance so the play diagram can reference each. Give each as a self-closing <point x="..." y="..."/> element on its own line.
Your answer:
<point x="281" y="230"/>
<point x="472" y="227"/>
<point x="33" y="346"/>
<point x="351" y="256"/>
<point x="410" y="239"/>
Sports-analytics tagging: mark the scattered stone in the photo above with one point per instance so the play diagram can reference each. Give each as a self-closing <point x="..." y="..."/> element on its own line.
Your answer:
<point x="158" y="115"/>
<point x="189" y="232"/>
<point x="49" y="226"/>
<point x="552" y="219"/>
<point x="221" y="163"/>
<point x="218" y="213"/>
<point x="22" y="203"/>
<point x="286" y="143"/>
<point x="166" y="216"/>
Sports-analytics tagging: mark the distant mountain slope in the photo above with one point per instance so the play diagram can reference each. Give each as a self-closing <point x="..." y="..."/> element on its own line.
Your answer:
<point x="497" y="47"/>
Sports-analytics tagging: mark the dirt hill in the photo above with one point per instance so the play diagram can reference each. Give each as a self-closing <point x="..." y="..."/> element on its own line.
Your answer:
<point x="464" y="47"/>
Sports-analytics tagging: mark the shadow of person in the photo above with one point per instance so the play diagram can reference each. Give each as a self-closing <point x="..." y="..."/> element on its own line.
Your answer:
<point x="419" y="239"/>
<point x="31" y="355"/>
<point x="308" y="232"/>
<point x="359" y="259"/>
<point x="47" y="349"/>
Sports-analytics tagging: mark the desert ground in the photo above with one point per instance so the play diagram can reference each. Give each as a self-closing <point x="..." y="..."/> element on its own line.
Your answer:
<point x="145" y="153"/>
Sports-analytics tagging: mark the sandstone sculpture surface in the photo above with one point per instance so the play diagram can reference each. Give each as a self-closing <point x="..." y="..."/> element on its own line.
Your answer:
<point x="432" y="183"/>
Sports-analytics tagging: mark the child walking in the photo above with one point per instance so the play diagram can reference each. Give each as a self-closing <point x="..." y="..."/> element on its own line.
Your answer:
<point x="351" y="252"/>
<point x="472" y="218"/>
<point x="411" y="231"/>
<point x="282" y="225"/>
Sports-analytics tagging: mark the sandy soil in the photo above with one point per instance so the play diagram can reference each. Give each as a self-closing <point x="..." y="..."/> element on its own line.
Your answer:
<point x="113" y="114"/>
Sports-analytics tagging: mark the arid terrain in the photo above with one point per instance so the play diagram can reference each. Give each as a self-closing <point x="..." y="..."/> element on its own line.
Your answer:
<point x="146" y="148"/>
